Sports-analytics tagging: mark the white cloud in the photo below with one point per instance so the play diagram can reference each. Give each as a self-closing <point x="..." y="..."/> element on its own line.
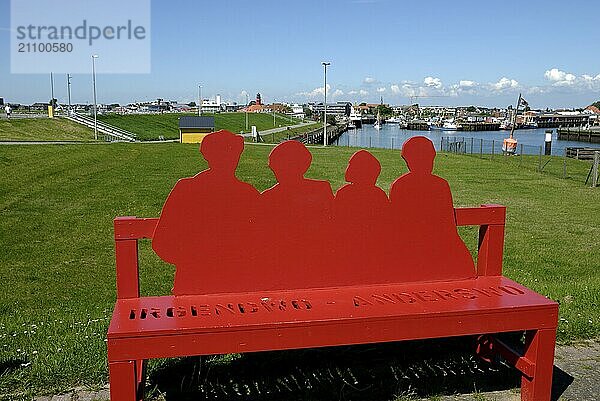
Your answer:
<point x="590" y="78"/>
<point x="317" y="92"/>
<point x="433" y="82"/>
<point x="242" y="94"/>
<point x="381" y="90"/>
<point x="505" y="83"/>
<point x="363" y="92"/>
<point x="560" y="78"/>
<point x="353" y="92"/>
<point x="369" y="80"/>
<point x="467" y="84"/>
<point x="395" y="89"/>
<point x="337" y="92"/>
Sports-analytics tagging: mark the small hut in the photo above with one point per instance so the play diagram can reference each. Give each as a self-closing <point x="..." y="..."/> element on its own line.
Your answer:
<point x="192" y="129"/>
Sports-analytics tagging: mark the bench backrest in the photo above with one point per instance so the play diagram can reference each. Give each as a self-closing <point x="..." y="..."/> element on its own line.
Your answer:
<point x="223" y="236"/>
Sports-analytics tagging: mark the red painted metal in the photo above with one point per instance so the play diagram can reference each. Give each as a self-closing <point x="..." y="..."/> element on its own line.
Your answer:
<point x="352" y="268"/>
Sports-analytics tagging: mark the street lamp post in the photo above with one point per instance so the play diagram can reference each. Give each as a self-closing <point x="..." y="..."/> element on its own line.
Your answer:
<point x="69" y="92"/>
<point x="94" y="57"/>
<point x="273" y="112"/>
<point x="52" y="91"/>
<point x="325" y="64"/>
<point x="199" y="100"/>
<point x="246" y="111"/>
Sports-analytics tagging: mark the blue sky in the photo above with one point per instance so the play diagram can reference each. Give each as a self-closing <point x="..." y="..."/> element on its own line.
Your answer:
<point x="461" y="52"/>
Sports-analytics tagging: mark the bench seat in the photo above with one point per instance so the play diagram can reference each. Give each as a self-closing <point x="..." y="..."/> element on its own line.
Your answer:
<point x="166" y="326"/>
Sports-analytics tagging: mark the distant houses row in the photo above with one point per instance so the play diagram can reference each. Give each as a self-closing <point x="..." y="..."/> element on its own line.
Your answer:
<point x="341" y="110"/>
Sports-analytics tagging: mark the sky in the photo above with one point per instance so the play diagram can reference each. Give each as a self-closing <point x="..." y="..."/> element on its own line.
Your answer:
<point x="446" y="52"/>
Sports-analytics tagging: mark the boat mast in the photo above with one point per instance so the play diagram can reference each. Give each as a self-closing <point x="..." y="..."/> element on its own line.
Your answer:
<point x="514" y="120"/>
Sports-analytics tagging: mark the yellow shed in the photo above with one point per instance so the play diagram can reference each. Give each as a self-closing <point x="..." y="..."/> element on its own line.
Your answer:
<point x="192" y="129"/>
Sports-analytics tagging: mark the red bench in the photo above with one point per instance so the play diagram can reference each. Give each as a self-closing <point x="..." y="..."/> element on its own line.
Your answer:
<point x="374" y="271"/>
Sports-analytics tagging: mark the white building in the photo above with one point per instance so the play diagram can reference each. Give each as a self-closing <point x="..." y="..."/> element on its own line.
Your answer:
<point x="297" y="110"/>
<point x="212" y="106"/>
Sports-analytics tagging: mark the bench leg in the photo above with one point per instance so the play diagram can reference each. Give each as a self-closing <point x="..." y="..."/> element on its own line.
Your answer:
<point x="123" y="381"/>
<point x="539" y="349"/>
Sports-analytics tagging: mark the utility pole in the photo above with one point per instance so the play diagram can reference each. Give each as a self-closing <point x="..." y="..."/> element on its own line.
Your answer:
<point x="325" y="64"/>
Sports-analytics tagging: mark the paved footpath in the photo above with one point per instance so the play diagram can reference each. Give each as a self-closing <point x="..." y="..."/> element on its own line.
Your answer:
<point x="576" y="378"/>
<point x="279" y="129"/>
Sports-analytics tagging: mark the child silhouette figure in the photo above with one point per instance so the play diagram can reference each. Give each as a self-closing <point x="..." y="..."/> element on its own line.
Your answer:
<point x="361" y="219"/>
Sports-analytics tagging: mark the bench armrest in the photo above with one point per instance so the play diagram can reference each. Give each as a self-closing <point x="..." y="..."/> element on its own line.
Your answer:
<point x="491" y="220"/>
<point x="127" y="231"/>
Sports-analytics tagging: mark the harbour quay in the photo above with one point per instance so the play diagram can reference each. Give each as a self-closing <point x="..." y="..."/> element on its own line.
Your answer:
<point x="580" y="134"/>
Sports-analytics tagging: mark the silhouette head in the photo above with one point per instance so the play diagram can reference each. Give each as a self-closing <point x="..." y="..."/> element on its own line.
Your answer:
<point x="363" y="168"/>
<point x="418" y="152"/>
<point x="289" y="161"/>
<point x="222" y="150"/>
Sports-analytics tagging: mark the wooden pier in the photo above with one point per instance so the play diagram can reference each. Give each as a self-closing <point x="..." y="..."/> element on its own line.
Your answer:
<point x="418" y="125"/>
<point x="580" y="134"/>
<point x="316" y="136"/>
<point x="480" y="126"/>
<point x="582" y="153"/>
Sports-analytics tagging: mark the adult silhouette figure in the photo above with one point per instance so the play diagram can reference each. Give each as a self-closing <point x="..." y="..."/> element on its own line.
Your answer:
<point x="423" y="211"/>
<point x="361" y="220"/>
<point x="206" y="220"/>
<point x="296" y="215"/>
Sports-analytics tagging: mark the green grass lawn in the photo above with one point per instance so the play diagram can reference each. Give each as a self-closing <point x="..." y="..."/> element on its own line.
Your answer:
<point x="57" y="261"/>
<point x="43" y="129"/>
<point x="151" y="126"/>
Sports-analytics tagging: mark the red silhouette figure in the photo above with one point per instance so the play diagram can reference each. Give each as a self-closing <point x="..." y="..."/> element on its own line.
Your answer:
<point x="423" y="212"/>
<point x="296" y="216"/>
<point x="205" y="221"/>
<point x="361" y="219"/>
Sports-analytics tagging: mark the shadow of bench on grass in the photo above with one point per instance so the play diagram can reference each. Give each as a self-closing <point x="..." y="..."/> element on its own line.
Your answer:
<point x="364" y="372"/>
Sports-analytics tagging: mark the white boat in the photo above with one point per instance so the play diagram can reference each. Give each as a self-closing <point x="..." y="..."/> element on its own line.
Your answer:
<point x="394" y="120"/>
<point x="351" y="125"/>
<point x="529" y="125"/>
<point x="450" y="126"/>
<point x="377" y="124"/>
<point x="445" y="126"/>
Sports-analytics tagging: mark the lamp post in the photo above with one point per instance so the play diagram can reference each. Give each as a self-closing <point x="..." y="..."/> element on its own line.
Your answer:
<point x="52" y="91"/>
<point x="199" y="100"/>
<point x="94" y="57"/>
<point x="325" y="64"/>
<point x="69" y="92"/>
<point x="246" y="111"/>
<point x="273" y="112"/>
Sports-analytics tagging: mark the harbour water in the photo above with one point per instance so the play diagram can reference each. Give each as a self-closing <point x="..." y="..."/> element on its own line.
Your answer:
<point x="391" y="136"/>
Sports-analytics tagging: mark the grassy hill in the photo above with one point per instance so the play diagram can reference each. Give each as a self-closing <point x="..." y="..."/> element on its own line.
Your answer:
<point x="57" y="262"/>
<point x="151" y="126"/>
<point x="43" y="129"/>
